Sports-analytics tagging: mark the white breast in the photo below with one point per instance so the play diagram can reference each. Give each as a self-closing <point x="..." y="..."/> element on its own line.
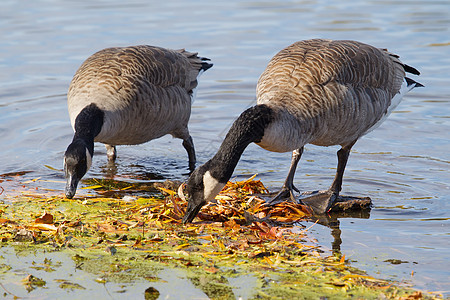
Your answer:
<point x="284" y="134"/>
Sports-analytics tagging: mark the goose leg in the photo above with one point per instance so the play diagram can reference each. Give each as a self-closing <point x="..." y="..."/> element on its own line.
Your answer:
<point x="111" y="152"/>
<point x="188" y="144"/>
<point x="288" y="186"/>
<point x="342" y="155"/>
<point x="322" y="202"/>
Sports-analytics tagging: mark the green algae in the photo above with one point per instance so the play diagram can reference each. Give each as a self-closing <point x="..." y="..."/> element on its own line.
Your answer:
<point x="128" y="241"/>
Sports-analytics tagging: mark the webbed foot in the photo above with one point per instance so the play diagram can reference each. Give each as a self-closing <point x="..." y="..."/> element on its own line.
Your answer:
<point x="319" y="201"/>
<point x="286" y="193"/>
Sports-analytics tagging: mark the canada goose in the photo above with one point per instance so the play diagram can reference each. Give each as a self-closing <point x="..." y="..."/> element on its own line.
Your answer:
<point x="318" y="91"/>
<point x="128" y="96"/>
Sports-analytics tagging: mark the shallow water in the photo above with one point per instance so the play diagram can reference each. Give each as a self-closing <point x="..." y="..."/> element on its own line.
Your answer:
<point x="403" y="165"/>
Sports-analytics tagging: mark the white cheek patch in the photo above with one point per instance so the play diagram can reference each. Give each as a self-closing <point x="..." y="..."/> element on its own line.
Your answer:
<point x="212" y="187"/>
<point x="88" y="160"/>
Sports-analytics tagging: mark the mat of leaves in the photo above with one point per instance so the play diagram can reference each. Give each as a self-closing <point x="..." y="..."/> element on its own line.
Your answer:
<point x="237" y="235"/>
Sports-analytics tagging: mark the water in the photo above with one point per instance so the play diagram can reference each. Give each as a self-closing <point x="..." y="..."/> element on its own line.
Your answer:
<point x="403" y="165"/>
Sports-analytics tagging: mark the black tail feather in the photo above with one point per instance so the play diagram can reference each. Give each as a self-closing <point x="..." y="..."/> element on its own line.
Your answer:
<point x="409" y="82"/>
<point x="411" y="70"/>
<point x="205" y="65"/>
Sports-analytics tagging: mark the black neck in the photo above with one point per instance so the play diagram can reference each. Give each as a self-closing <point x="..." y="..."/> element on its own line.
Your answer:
<point x="88" y="125"/>
<point x="249" y="127"/>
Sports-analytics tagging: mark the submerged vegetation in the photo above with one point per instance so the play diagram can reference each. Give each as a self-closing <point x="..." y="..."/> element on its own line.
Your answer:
<point x="121" y="237"/>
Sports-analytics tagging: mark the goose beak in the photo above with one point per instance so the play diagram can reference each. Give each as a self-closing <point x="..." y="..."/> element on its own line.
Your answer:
<point x="71" y="186"/>
<point x="191" y="211"/>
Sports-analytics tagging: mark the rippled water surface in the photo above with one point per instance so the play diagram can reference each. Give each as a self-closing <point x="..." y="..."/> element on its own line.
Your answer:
<point x="403" y="165"/>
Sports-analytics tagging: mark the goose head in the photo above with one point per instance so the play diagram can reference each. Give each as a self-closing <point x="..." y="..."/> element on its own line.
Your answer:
<point x="77" y="161"/>
<point x="202" y="187"/>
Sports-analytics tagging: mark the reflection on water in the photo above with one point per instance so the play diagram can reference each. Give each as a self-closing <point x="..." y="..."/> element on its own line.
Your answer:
<point x="332" y="221"/>
<point x="403" y="165"/>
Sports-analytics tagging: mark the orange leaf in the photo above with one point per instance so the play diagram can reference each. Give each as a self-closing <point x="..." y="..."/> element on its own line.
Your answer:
<point x="4" y="221"/>
<point x="211" y="270"/>
<point x="231" y="224"/>
<point x="46" y="218"/>
<point x="106" y="227"/>
<point x="262" y="226"/>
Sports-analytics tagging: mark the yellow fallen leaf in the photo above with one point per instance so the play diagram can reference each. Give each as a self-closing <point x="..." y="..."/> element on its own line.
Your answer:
<point x="220" y="244"/>
<point x="44" y="227"/>
<point x="126" y="188"/>
<point x="248" y="180"/>
<point x="223" y="197"/>
<point x="351" y="276"/>
<point x="32" y="180"/>
<point x="51" y="168"/>
<point x="181" y="246"/>
<point x="171" y="193"/>
<point x="92" y="187"/>
<point x="268" y="260"/>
